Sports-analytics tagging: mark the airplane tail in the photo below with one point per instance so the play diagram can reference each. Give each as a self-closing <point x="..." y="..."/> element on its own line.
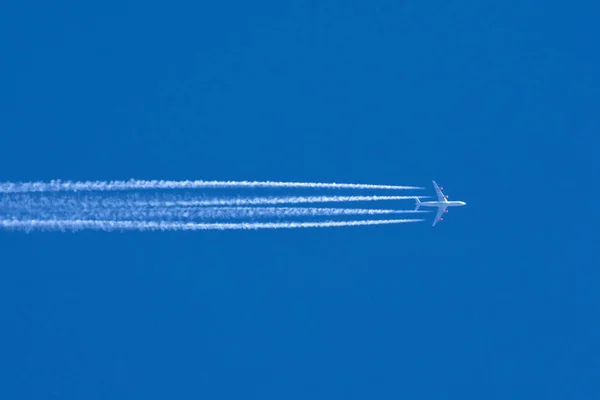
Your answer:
<point x="418" y="203"/>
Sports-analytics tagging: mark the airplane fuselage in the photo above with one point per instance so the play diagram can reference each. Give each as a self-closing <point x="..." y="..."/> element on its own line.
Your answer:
<point x="442" y="203"/>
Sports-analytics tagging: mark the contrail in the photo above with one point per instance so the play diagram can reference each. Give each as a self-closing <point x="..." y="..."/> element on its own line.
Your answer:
<point x="275" y="200"/>
<point x="72" y="186"/>
<point x="243" y="212"/>
<point x="179" y="201"/>
<point x="190" y="213"/>
<point x="109" y="226"/>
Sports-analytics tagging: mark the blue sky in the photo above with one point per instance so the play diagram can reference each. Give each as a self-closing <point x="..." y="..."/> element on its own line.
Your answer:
<point x="496" y="101"/>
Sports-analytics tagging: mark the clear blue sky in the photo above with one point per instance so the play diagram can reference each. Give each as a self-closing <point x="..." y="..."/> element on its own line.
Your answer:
<point x="497" y="101"/>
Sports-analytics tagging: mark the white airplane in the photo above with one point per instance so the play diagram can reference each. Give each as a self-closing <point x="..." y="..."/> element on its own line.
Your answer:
<point x="442" y="203"/>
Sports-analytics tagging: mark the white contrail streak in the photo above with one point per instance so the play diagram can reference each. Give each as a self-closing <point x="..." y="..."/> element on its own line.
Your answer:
<point x="72" y="186"/>
<point x="285" y="211"/>
<point x="178" y="201"/>
<point x="109" y="226"/>
<point x="270" y="201"/>
<point x="190" y="213"/>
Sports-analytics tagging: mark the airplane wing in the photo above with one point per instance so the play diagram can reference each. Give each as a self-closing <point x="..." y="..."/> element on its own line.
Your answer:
<point x="439" y="193"/>
<point x="439" y="215"/>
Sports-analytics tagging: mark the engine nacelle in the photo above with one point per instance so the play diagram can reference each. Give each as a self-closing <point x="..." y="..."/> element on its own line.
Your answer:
<point x="445" y="211"/>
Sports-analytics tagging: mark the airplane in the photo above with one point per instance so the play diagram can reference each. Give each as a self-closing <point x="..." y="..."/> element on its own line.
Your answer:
<point x="442" y="203"/>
